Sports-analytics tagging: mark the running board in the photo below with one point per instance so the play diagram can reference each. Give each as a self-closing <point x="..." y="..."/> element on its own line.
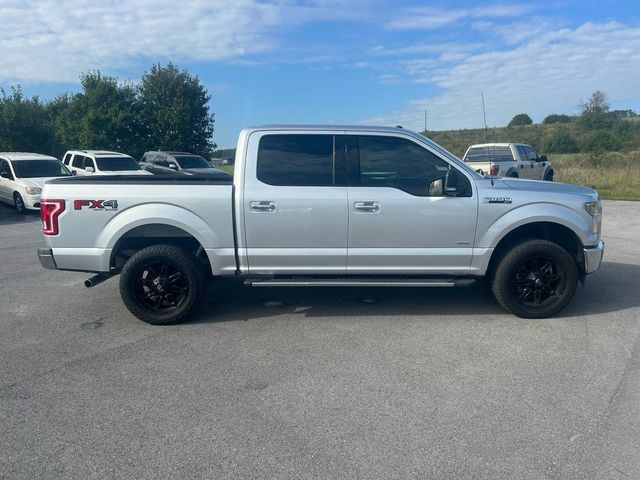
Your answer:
<point x="359" y="282"/>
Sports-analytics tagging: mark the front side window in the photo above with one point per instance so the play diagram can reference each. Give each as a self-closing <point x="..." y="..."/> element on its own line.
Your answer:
<point x="531" y="153"/>
<point x="4" y="168"/>
<point x="399" y="163"/>
<point x="78" y="162"/>
<point x="296" y="160"/>
<point x="112" y="164"/>
<point x="192" y="161"/>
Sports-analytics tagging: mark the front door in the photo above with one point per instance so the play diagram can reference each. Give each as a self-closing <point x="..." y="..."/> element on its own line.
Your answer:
<point x="401" y="218"/>
<point x="295" y="204"/>
<point x="6" y="187"/>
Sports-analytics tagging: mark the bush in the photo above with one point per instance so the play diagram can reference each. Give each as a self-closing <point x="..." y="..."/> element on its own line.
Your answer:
<point x="557" y="118"/>
<point x="520" y="119"/>
<point x="600" y="141"/>
<point x="561" y="141"/>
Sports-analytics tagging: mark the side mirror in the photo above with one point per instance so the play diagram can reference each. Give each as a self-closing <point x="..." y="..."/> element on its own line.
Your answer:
<point x="451" y="191"/>
<point x="173" y="166"/>
<point x="73" y="172"/>
<point x="89" y="169"/>
<point x="542" y="158"/>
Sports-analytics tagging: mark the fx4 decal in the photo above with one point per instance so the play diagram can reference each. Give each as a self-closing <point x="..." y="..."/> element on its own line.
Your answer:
<point x="95" y="204"/>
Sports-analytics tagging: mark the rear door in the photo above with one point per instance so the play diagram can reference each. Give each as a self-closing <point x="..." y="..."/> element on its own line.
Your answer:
<point x="527" y="165"/>
<point x="401" y="221"/>
<point x="295" y="203"/>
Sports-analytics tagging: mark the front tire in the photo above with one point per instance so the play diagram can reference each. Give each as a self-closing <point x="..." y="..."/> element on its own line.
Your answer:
<point x="548" y="177"/>
<point x="535" y="279"/>
<point x="162" y="284"/>
<point x="18" y="204"/>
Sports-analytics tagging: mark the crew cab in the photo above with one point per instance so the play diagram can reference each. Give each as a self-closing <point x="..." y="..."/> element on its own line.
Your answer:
<point x="325" y="206"/>
<point x="101" y="162"/>
<point x="509" y="160"/>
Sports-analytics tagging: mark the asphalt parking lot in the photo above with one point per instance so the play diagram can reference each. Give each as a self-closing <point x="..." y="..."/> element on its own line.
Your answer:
<point x="318" y="383"/>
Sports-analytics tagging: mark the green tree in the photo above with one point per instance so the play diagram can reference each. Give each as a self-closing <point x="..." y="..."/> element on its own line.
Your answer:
<point x="596" y="103"/>
<point x="24" y="123"/>
<point x="520" y="119"/>
<point x="556" y="118"/>
<point x="104" y="115"/>
<point x="175" y="111"/>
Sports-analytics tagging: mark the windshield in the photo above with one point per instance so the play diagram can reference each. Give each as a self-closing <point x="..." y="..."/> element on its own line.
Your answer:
<point x="192" y="161"/>
<point x="39" y="168"/>
<point x="112" y="164"/>
<point x="489" y="154"/>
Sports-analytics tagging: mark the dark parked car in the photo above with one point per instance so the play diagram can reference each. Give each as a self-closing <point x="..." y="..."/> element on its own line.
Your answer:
<point x="179" y="162"/>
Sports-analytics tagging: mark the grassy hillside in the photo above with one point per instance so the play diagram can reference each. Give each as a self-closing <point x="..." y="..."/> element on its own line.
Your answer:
<point x="607" y="159"/>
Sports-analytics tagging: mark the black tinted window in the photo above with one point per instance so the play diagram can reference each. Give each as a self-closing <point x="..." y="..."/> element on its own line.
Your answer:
<point x="78" y="161"/>
<point x="39" y="168"/>
<point x="305" y="160"/>
<point x="112" y="164"/>
<point x="399" y="163"/>
<point x="530" y="153"/>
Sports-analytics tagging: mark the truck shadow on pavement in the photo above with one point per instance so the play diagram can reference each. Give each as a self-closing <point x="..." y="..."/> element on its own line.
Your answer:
<point x="8" y="215"/>
<point x="613" y="288"/>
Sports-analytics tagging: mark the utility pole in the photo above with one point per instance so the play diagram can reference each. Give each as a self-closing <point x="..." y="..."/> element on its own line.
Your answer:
<point x="484" y="114"/>
<point x="425" y="119"/>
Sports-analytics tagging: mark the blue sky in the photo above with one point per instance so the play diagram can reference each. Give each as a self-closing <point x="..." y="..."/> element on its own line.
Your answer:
<point x="334" y="61"/>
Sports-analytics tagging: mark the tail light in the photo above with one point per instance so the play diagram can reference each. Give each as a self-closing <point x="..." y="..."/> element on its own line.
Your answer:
<point x="50" y="210"/>
<point x="493" y="171"/>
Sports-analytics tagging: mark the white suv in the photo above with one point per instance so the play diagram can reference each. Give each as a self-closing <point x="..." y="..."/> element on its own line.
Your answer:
<point x="22" y="176"/>
<point x="101" y="162"/>
<point x="509" y="160"/>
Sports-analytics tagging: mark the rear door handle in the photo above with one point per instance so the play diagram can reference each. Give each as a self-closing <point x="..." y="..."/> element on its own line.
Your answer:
<point x="266" y="206"/>
<point x="366" y="207"/>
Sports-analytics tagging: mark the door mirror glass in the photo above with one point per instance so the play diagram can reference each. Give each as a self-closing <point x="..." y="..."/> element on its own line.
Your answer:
<point x="89" y="169"/>
<point x="173" y="166"/>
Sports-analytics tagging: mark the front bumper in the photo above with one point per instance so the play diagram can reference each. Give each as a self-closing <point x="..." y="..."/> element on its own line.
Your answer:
<point x="593" y="257"/>
<point x="45" y="255"/>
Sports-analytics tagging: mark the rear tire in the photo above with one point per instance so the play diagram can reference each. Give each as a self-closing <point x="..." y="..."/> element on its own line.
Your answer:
<point x="535" y="279"/>
<point x="162" y="284"/>
<point x="18" y="204"/>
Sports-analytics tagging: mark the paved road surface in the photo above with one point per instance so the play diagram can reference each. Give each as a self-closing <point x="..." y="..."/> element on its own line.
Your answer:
<point x="418" y="384"/>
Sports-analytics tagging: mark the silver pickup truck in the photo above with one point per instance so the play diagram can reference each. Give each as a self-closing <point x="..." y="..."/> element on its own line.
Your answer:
<point x="325" y="206"/>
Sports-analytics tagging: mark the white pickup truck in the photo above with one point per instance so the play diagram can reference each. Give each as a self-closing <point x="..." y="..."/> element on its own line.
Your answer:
<point x="325" y="206"/>
<point x="509" y="160"/>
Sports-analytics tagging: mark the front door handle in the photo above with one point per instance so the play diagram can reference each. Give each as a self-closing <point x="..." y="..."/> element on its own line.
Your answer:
<point x="263" y="206"/>
<point x="366" y="207"/>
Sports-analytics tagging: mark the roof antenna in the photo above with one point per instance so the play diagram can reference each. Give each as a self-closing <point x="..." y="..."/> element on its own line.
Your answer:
<point x="486" y="134"/>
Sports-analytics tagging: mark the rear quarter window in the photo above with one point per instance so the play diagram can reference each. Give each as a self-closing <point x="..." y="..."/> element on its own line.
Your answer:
<point x="489" y="154"/>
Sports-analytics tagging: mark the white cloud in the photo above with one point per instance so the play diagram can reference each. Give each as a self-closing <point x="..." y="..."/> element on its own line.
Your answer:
<point x="55" y="40"/>
<point x="430" y="18"/>
<point x="547" y="74"/>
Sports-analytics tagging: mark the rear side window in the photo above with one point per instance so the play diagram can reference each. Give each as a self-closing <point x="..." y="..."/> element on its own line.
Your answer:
<point x="489" y="154"/>
<point x="296" y="160"/>
<point x="399" y="163"/>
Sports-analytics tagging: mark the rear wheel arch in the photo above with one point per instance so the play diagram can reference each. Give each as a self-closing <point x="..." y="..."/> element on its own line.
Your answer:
<point x="143" y="236"/>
